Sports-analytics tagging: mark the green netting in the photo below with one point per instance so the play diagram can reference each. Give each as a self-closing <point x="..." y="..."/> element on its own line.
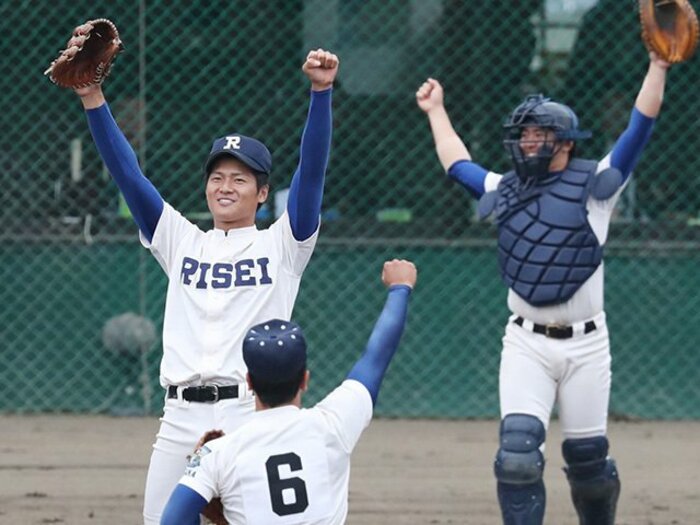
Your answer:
<point x="70" y="261"/>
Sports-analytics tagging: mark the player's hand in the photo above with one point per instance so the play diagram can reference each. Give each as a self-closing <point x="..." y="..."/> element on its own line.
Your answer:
<point x="321" y="67"/>
<point x="208" y="436"/>
<point x="430" y="95"/>
<point x="658" y="62"/>
<point x="214" y="512"/>
<point x="399" y="271"/>
<point x="88" y="91"/>
<point x="91" y="96"/>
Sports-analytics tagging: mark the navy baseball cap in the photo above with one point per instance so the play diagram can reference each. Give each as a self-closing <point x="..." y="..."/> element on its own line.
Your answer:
<point x="249" y="151"/>
<point x="275" y="351"/>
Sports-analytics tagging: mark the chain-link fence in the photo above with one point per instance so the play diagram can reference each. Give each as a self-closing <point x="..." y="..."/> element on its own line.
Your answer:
<point x="71" y="265"/>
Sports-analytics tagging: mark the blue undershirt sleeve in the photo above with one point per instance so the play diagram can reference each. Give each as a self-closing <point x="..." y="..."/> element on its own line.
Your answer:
<point x="306" y="190"/>
<point x="470" y="175"/>
<point x="184" y="507"/>
<point x="370" y="368"/>
<point x="141" y="196"/>
<point x="629" y="145"/>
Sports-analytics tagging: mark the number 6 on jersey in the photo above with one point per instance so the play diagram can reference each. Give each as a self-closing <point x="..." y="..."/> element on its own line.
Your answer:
<point x="282" y="489"/>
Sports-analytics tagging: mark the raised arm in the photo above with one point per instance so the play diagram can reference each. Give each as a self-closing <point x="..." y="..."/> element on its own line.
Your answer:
<point x="306" y="190"/>
<point x="629" y="146"/>
<point x="450" y="148"/>
<point x="400" y="277"/>
<point x="651" y="94"/>
<point x="141" y="196"/>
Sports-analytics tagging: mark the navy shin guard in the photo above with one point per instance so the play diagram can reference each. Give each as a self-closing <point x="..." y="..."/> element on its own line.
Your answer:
<point x="594" y="481"/>
<point x="518" y="468"/>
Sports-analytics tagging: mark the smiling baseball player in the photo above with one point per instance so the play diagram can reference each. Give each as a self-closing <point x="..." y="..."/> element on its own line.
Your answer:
<point x="223" y="281"/>
<point x="553" y="211"/>
<point x="290" y="466"/>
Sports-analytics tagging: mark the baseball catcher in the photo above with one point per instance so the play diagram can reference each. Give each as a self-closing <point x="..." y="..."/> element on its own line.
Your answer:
<point x="88" y="56"/>
<point x="669" y="28"/>
<point x="552" y="210"/>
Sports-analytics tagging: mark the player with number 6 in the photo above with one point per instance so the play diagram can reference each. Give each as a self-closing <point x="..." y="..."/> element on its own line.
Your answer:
<point x="290" y="465"/>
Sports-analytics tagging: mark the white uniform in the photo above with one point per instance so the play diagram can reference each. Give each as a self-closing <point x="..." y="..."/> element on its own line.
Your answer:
<point x="220" y="284"/>
<point x="536" y="371"/>
<point x="286" y="466"/>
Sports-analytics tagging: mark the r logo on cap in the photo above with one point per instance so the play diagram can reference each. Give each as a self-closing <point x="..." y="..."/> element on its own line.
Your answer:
<point x="249" y="151"/>
<point x="233" y="143"/>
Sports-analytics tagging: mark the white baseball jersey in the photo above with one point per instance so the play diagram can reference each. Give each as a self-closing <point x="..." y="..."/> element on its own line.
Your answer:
<point x="287" y="465"/>
<point x="220" y="284"/>
<point x="536" y="371"/>
<point x="587" y="302"/>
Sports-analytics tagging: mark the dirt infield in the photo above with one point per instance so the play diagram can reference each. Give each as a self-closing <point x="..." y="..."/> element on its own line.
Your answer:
<point x="90" y="470"/>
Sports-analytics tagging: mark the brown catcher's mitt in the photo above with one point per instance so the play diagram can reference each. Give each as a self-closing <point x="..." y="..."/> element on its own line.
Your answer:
<point x="669" y="28"/>
<point x="214" y="511"/>
<point x="88" y="56"/>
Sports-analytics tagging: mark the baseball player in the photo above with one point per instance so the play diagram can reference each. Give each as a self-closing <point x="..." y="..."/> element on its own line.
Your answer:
<point x="225" y="280"/>
<point x="553" y="211"/>
<point x="289" y="465"/>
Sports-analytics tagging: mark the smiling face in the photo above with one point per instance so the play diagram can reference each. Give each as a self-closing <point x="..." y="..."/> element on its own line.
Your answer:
<point x="233" y="195"/>
<point x="532" y="138"/>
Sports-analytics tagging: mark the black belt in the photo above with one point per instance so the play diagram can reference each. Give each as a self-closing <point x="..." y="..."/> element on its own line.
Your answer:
<point x="204" y="394"/>
<point x="556" y="331"/>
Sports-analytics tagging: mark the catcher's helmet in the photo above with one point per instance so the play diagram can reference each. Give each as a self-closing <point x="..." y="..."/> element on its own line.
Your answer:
<point x="537" y="110"/>
<point x="275" y="351"/>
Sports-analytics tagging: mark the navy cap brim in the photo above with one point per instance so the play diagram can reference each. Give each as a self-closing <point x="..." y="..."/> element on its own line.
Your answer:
<point x="245" y="159"/>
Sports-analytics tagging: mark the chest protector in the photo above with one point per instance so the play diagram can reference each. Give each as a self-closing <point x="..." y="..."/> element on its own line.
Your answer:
<point x="546" y="247"/>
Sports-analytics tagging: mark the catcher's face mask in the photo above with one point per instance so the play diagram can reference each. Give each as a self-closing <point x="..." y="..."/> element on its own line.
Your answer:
<point x="535" y="132"/>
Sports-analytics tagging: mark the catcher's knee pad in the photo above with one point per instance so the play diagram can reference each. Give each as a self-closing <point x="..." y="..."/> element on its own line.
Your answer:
<point x="519" y="460"/>
<point x="518" y="468"/>
<point x="595" y="484"/>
